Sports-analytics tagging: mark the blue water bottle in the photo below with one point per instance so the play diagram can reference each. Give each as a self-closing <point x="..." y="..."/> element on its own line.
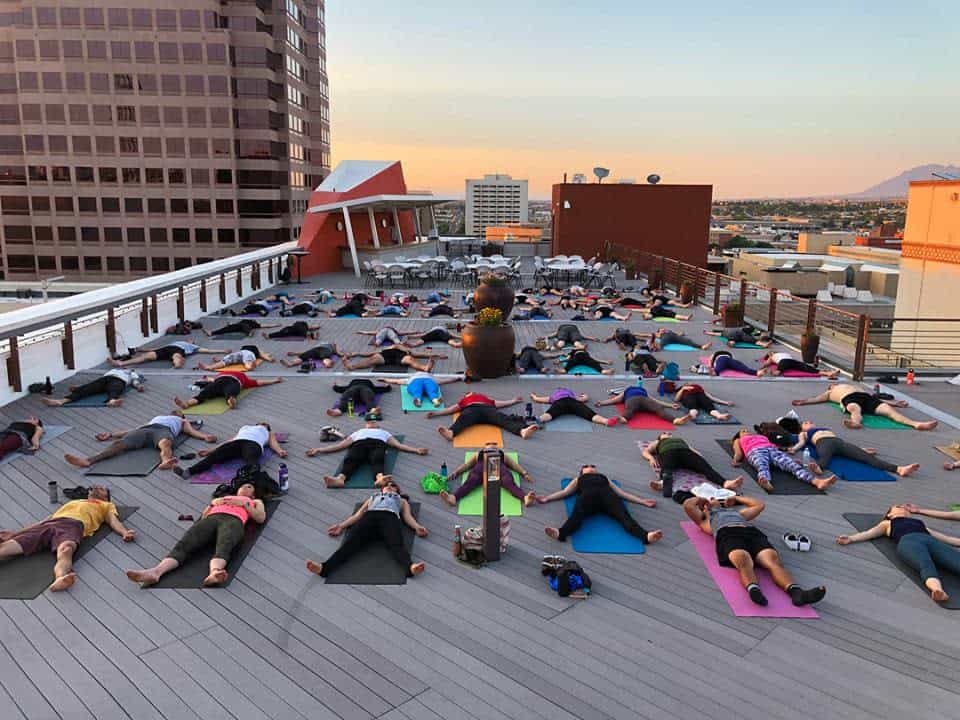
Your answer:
<point x="443" y="469"/>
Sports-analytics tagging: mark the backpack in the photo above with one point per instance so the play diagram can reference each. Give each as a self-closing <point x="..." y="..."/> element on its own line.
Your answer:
<point x="568" y="578"/>
<point x="471" y="543"/>
<point x="671" y="371"/>
<point x="265" y="485"/>
<point x="775" y="433"/>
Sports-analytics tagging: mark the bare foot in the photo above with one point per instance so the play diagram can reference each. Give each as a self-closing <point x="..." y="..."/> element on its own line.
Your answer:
<point x="705" y="346"/>
<point x="180" y="403"/>
<point x="529" y="499"/>
<point x="847" y="422"/>
<point x="382" y="479"/>
<point x="448" y="498"/>
<point x="332" y="481"/>
<point x="146" y="578"/>
<point x="653" y="536"/>
<point x="116" y="402"/>
<point x="927" y="425"/>
<point x="232" y="403"/>
<point x="905" y="470"/>
<point x="528" y="431"/>
<point x="446" y="432"/>
<point x="683" y="419"/>
<point x="63" y="583"/>
<point x="939" y="596"/>
<point x="167" y="464"/>
<point x="734" y="484"/>
<point x="314" y="567"/>
<point x="949" y="466"/>
<point x="50" y="402"/>
<point x="417" y="568"/>
<point x="217" y="577"/>
<point x="417" y="402"/>
<point x="77" y="461"/>
<point x="204" y="453"/>
<point x="723" y="417"/>
<point x="334" y="412"/>
<point x="552" y="532"/>
<point x="656" y="485"/>
<point x="870" y="451"/>
<point x="814" y="468"/>
<point x="824" y="483"/>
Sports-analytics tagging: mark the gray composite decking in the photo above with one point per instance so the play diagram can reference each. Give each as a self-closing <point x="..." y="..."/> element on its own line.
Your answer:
<point x="656" y="640"/>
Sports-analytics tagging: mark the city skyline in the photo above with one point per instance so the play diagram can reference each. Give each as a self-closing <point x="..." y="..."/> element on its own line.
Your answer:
<point x="778" y="101"/>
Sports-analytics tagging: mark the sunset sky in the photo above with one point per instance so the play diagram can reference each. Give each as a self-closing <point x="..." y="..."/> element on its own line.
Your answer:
<point x="759" y="99"/>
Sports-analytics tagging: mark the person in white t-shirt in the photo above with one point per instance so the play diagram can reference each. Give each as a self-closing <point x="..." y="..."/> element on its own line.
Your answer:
<point x="247" y="445"/>
<point x="112" y="383"/>
<point x="366" y="446"/>
<point x="176" y="352"/>
<point x="160" y="433"/>
<point x="249" y="356"/>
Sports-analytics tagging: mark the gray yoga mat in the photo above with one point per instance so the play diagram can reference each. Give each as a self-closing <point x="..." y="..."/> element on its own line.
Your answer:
<point x="135" y="463"/>
<point x="951" y="583"/>
<point x="24" y="578"/>
<point x="783" y="483"/>
<point x="197" y="566"/>
<point x="569" y="423"/>
<point x="98" y="400"/>
<point x="50" y="432"/>
<point x="373" y="564"/>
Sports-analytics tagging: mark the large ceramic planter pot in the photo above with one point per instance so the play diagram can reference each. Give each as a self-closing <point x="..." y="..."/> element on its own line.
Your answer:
<point x="494" y="296"/>
<point x="488" y="351"/>
<point x="733" y="316"/>
<point x="809" y="348"/>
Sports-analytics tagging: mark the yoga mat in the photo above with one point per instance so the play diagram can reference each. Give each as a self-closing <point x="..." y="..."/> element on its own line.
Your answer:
<point x="240" y="367"/>
<point x="799" y="374"/>
<point x="363" y="477"/>
<point x="675" y="347"/>
<point x="478" y="436"/>
<point x="583" y="370"/>
<point x="855" y="471"/>
<point x="705" y="418"/>
<point x="214" y="406"/>
<point x="667" y="319"/>
<point x="601" y="533"/>
<point x="99" y="400"/>
<point x="783" y="483"/>
<point x="373" y="564"/>
<point x="406" y="402"/>
<point x="950" y="451"/>
<point x="24" y="578"/>
<point x="874" y="422"/>
<point x="955" y="506"/>
<point x="50" y="432"/>
<point x="705" y="360"/>
<point x="360" y="409"/>
<point x="748" y="346"/>
<point x="197" y="566"/>
<point x="472" y="503"/>
<point x="224" y="473"/>
<point x="951" y="582"/>
<point x="569" y="423"/>
<point x="230" y="336"/>
<point x="645" y="421"/>
<point x="345" y="317"/>
<point x="391" y="369"/>
<point x="728" y="581"/>
<point x="134" y="463"/>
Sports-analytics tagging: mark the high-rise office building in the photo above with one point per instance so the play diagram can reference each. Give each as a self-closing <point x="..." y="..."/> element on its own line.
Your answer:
<point x="138" y="137"/>
<point x="495" y="200"/>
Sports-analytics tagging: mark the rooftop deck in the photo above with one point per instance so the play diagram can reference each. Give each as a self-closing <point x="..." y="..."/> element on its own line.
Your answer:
<point x="656" y="639"/>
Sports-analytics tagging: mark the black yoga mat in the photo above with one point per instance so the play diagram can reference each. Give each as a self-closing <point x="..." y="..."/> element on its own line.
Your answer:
<point x="24" y="578"/>
<point x="783" y="483"/>
<point x="951" y="583"/>
<point x="391" y="368"/>
<point x="373" y="564"/>
<point x="136" y="463"/>
<point x="197" y="567"/>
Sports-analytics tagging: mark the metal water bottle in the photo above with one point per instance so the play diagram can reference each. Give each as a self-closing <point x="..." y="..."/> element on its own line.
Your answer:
<point x="443" y="469"/>
<point x="283" y="477"/>
<point x="457" y="541"/>
<point x="54" y="490"/>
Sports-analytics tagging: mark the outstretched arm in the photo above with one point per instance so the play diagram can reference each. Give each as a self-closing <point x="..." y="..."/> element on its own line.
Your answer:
<point x="613" y="400"/>
<point x="119" y="528"/>
<point x="335" y="447"/>
<point x="940" y="514"/>
<point x="570" y="489"/>
<point x="191" y="431"/>
<point x="410" y="520"/>
<point x="542" y="399"/>
<point x="630" y="497"/>
<point x="275" y="445"/>
<point x="447" y="381"/>
<point x="821" y="398"/>
<point x="717" y="400"/>
<point x="35" y="440"/>
<point x="516" y="467"/>
<point x="737" y="452"/>
<point x="801" y="441"/>
<point x="507" y="403"/>
<point x="394" y="443"/>
<point x="878" y="530"/>
<point x="948" y="539"/>
<point x="395" y="381"/>
<point x="446" y="411"/>
<point x="751" y="506"/>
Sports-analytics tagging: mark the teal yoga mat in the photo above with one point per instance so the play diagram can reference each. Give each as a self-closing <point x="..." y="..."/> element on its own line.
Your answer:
<point x="583" y="370"/>
<point x="601" y="533"/>
<point x="363" y="477"/>
<point x="674" y="347"/>
<point x="406" y="402"/>
<point x="874" y="422"/>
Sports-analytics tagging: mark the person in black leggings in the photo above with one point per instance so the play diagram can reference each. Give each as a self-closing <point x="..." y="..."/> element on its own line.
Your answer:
<point x="529" y="359"/>
<point x="324" y="354"/>
<point x="227" y="385"/>
<point x="596" y="495"/>
<point x="569" y="334"/>
<point x="361" y="392"/>
<point x="437" y="334"/>
<point x="367" y="446"/>
<point x="779" y="363"/>
<point x="564" y="401"/>
<point x="354" y="306"/>
<point x="244" y="327"/>
<point x="398" y="355"/>
<point x="478" y="409"/>
<point x="668" y="453"/>
<point x="113" y="384"/>
<point x="696" y="400"/>
<point x="299" y="329"/>
<point x="582" y="358"/>
<point x="242" y="446"/>
<point x="827" y="445"/>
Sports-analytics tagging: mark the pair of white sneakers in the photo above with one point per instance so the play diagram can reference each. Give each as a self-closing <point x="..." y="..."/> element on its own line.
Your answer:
<point x="797" y="541"/>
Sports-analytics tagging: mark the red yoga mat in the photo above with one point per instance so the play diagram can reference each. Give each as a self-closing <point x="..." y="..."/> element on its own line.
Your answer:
<point x="646" y="421"/>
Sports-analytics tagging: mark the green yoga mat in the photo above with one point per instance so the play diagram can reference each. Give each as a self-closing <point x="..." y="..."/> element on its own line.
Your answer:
<point x="363" y="477"/>
<point x="216" y="406"/>
<point x="667" y="319"/>
<point x="406" y="402"/>
<point x="472" y="504"/>
<point x="875" y="422"/>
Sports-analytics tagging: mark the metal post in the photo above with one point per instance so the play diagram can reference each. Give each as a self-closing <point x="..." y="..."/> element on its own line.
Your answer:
<point x="203" y="294"/>
<point x="269" y="271"/>
<point x="491" y="504"/>
<point x="811" y="316"/>
<point x="351" y="242"/>
<point x="396" y="224"/>
<point x="155" y="314"/>
<point x="743" y="297"/>
<point x="716" y="293"/>
<point x="374" y="235"/>
<point x="223" y="288"/>
<point x="772" y="314"/>
<point x="181" y="305"/>
<point x="239" y="282"/>
<point x="145" y="317"/>
<point x="13" y="366"/>
<point x="111" y="331"/>
<point x="663" y="272"/>
<point x="860" y="355"/>
<point x="696" y="285"/>
<point x="66" y="345"/>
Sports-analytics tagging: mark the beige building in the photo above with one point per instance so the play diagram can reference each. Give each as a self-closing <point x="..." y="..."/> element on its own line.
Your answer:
<point x="805" y="275"/>
<point x="494" y="200"/>
<point x="819" y="242"/>
<point x="138" y="137"/>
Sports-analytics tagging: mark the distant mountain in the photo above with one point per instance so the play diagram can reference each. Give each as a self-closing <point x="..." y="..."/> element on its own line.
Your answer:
<point x="897" y="186"/>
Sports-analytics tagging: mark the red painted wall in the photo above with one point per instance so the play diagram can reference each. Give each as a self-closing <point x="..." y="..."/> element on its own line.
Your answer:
<point x="670" y="220"/>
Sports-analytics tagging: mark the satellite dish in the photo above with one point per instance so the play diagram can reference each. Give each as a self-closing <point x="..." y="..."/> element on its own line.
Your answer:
<point x="579" y="179"/>
<point x="653" y="179"/>
<point x="600" y="173"/>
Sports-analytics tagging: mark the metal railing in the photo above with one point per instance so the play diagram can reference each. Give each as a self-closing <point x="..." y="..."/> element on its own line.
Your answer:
<point x="854" y="342"/>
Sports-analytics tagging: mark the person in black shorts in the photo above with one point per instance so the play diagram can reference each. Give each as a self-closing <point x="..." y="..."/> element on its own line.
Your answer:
<point x="392" y="355"/>
<point x="603" y="311"/>
<point x="175" y="353"/>
<point x="581" y="358"/>
<point x="529" y="359"/>
<point x="741" y="545"/>
<point x="564" y="401"/>
<point x="304" y="307"/>
<point x="569" y="334"/>
<point x="742" y="335"/>
<point x="437" y="334"/>
<point x="361" y="392"/>
<point x="355" y="306"/>
<point x="596" y="495"/>
<point x="244" y="327"/>
<point x="858" y="403"/>
<point x="658" y="310"/>
<point x="324" y="354"/>
<point x="780" y="363"/>
<point x="299" y="329"/>
<point x="227" y="385"/>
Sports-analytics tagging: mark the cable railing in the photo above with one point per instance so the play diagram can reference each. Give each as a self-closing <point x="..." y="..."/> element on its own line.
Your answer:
<point x="854" y="342"/>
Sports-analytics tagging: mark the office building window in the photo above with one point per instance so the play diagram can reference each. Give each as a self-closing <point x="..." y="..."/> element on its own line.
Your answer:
<point x="76" y="81"/>
<point x="28" y="81"/>
<point x="166" y="19"/>
<point x="221" y="147"/>
<point x="201" y="207"/>
<point x="70" y="16"/>
<point x="133" y="206"/>
<point x="110" y="206"/>
<point x="176" y="176"/>
<point x="199" y="148"/>
<point x="93" y="17"/>
<point x="69" y="262"/>
<point x="87" y="204"/>
<point x="29" y="112"/>
<point x="40" y="204"/>
<point x="218" y="84"/>
<point x="113" y="235"/>
<point x="179" y="206"/>
<point x="105" y="144"/>
<point x="199" y="177"/>
<point x="26" y="50"/>
<point x="46" y="17"/>
<point x="115" y="264"/>
<point x="57" y="144"/>
<point x="189" y="19"/>
<point x="99" y="83"/>
<point x="224" y="176"/>
<point x="123" y="82"/>
<point x="49" y="50"/>
<point x="154" y="176"/>
<point x="118" y="18"/>
<point x="156" y="205"/>
<point x="129" y="145"/>
<point x="61" y="173"/>
<point x="81" y="144"/>
<point x="151" y="146"/>
<point x="142" y="19"/>
<point x="170" y="84"/>
<point x="216" y="54"/>
<point x="226" y="236"/>
<point x="158" y="236"/>
<point x="108" y="175"/>
<point x="204" y="236"/>
<point x="196" y="117"/>
<point x="224" y="207"/>
<point x="96" y="50"/>
<point x="169" y="52"/>
<point x="137" y="236"/>
<point x="160" y="264"/>
<point x="126" y="114"/>
<point x="137" y="264"/>
<point x="192" y="52"/>
<point x="72" y="49"/>
<point x="63" y="205"/>
<point x="91" y="263"/>
<point x="149" y="115"/>
<point x="175" y="147"/>
<point x="173" y="115"/>
<point x="55" y="114"/>
<point x="33" y="143"/>
<point x="52" y="81"/>
<point x="131" y="176"/>
<point x="143" y="49"/>
<point x="120" y="50"/>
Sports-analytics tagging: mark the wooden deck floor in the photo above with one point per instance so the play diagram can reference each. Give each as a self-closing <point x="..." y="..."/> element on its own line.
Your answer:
<point x="657" y="639"/>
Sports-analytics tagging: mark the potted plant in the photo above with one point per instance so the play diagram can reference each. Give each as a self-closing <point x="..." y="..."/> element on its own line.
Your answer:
<point x="810" y="347"/>
<point x="488" y="345"/>
<point x="732" y="315"/>
<point x="687" y="290"/>
<point x="494" y="291"/>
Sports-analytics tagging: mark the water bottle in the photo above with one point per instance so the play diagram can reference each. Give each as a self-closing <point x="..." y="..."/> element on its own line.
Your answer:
<point x="626" y="362"/>
<point x="443" y="469"/>
<point x="53" y="489"/>
<point x="806" y="456"/>
<point x="48" y="386"/>
<point x="529" y="411"/>
<point x="876" y="389"/>
<point x="350" y="408"/>
<point x="910" y="377"/>
<point x="457" y="541"/>
<point x="198" y="423"/>
<point x="283" y="477"/>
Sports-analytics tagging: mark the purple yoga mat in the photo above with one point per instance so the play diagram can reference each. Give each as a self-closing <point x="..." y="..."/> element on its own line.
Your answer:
<point x="318" y="364"/>
<point x="359" y="409"/>
<point x="224" y="473"/>
<point x="728" y="580"/>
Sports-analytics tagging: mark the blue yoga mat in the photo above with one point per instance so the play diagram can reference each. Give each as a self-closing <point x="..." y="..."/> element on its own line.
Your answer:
<point x="705" y="418"/>
<point x="601" y="533"/>
<point x="855" y="471"/>
<point x="89" y="401"/>
<point x="680" y="348"/>
<point x="344" y="317"/>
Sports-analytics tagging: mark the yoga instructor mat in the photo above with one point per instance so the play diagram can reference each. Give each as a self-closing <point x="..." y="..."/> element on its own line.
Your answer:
<point x="134" y="463"/>
<point x="601" y="533"/>
<point x="728" y="581"/>
<point x="874" y="422"/>
<point x="783" y="483"/>
<point x="645" y="421"/>
<point x="50" y="432"/>
<point x="197" y="566"/>
<point x="951" y="583"/>
<point x="472" y="504"/>
<point x="215" y="406"/>
<point x="24" y="578"/>
<point x="478" y="436"/>
<point x="363" y="477"/>
<point x="374" y="565"/>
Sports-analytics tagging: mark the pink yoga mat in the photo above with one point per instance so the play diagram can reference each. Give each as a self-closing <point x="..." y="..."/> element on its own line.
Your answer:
<point x="646" y="421"/>
<point x="728" y="580"/>
<point x="799" y="374"/>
